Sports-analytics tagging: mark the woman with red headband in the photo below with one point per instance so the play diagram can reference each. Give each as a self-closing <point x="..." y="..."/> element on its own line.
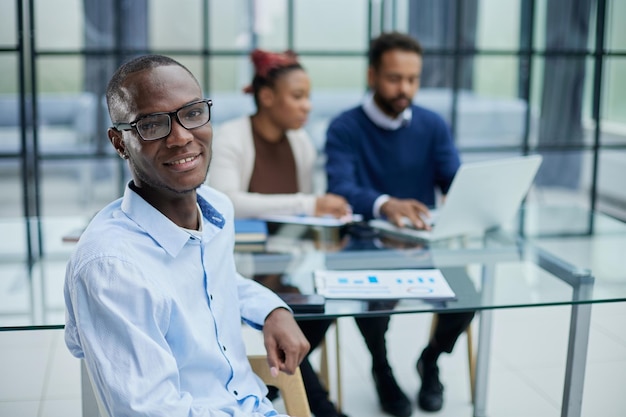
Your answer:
<point x="264" y="163"/>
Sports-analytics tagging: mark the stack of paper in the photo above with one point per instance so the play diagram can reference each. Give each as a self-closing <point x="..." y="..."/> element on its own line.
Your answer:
<point x="313" y="220"/>
<point x="250" y="235"/>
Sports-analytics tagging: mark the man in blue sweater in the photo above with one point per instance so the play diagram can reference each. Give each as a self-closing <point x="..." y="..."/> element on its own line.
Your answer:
<point x="387" y="157"/>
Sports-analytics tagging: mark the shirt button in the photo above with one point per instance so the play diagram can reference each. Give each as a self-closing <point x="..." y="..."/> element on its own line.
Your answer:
<point x="211" y="296"/>
<point x="224" y="347"/>
<point x="235" y="392"/>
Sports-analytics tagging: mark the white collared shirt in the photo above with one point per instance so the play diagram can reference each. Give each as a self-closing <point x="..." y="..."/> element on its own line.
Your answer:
<point x="380" y="119"/>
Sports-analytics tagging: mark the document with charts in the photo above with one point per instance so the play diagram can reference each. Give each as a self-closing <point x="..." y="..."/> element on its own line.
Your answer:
<point x="428" y="284"/>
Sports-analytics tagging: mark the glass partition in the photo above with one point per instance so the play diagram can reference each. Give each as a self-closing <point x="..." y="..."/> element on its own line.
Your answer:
<point x="499" y="95"/>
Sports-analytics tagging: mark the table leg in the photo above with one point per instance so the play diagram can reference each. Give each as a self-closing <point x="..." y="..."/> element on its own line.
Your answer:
<point x="582" y="283"/>
<point x="484" y="344"/>
<point x="580" y="322"/>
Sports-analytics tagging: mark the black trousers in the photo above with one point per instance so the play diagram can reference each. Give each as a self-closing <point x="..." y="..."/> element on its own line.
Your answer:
<point x="316" y="393"/>
<point x="449" y="328"/>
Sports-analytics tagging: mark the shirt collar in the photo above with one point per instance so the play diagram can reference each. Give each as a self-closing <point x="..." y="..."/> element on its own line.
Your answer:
<point x="166" y="233"/>
<point x="380" y="119"/>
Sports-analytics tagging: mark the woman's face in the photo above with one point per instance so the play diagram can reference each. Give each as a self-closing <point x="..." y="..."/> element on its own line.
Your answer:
<point x="289" y="103"/>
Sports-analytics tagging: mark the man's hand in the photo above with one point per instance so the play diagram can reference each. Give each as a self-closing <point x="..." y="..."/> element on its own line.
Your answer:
<point x="395" y="209"/>
<point x="332" y="205"/>
<point x="285" y="343"/>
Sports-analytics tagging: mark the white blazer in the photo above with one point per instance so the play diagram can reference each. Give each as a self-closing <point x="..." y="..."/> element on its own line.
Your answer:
<point x="233" y="161"/>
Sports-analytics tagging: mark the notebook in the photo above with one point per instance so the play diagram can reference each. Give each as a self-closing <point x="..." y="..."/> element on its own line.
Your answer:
<point x="250" y="235"/>
<point x="483" y="195"/>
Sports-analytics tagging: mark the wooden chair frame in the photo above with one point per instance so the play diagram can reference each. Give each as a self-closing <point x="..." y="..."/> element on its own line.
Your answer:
<point x="291" y="387"/>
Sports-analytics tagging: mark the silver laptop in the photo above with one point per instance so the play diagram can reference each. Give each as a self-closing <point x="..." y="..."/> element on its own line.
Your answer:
<point x="483" y="195"/>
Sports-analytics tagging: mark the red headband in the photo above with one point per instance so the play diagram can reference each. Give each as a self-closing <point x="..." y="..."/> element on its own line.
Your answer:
<point x="265" y="61"/>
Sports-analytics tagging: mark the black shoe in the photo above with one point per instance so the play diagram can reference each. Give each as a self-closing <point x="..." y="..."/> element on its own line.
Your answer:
<point x="272" y="392"/>
<point x="327" y="409"/>
<point x="392" y="400"/>
<point x="430" y="396"/>
<point x="334" y="414"/>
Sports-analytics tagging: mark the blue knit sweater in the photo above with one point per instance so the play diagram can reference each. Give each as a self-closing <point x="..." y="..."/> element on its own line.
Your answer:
<point x="365" y="160"/>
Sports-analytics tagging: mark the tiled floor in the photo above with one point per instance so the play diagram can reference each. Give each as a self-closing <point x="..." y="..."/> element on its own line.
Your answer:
<point x="39" y="378"/>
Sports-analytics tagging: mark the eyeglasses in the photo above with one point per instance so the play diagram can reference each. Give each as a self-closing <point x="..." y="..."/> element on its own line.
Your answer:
<point x="159" y="125"/>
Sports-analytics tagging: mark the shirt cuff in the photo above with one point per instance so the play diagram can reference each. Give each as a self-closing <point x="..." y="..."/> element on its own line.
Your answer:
<point x="308" y="203"/>
<point x="378" y="203"/>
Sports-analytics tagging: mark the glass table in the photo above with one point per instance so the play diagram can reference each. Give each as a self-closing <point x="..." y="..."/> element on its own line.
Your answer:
<point x="546" y="256"/>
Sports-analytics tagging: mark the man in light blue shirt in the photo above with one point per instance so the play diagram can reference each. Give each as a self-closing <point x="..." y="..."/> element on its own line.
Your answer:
<point x="154" y="302"/>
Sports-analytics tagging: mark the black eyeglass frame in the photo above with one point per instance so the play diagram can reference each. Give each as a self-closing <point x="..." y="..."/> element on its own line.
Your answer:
<point x="133" y="125"/>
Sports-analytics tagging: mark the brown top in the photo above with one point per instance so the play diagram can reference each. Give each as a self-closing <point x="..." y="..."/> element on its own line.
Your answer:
<point x="274" y="169"/>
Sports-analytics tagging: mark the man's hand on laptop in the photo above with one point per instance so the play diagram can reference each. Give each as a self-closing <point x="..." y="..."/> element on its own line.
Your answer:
<point x="406" y="212"/>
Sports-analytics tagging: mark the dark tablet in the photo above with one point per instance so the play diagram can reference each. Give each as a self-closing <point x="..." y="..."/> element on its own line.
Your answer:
<point x="304" y="303"/>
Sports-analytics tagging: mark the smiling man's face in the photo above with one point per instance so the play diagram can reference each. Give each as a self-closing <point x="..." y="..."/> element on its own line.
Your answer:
<point x="179" y="162"/>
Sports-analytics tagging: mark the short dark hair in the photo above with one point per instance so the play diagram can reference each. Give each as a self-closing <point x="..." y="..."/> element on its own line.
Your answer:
<point x="115" y="96"/>
<point x="389" y="41"/>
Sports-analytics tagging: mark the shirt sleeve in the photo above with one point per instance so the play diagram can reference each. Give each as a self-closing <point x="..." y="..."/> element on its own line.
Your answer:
<point x="112" y="321"/>
<point x="341" y="169"/>
<point x="382" y="199"/>
<point x="446" y="157"/>
<point x="121" y="326"/>
<point x="256" y="301"/>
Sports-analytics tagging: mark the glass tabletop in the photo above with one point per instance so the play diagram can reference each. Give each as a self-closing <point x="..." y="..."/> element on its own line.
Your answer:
<point x="553" y="260"/>
<point x="497" y="270"/>
<point x="536" y="221"/>
<point x="586" y="240"/>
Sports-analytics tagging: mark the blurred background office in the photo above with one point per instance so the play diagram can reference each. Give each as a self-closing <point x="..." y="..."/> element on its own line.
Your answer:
<point x="510" y="76"/>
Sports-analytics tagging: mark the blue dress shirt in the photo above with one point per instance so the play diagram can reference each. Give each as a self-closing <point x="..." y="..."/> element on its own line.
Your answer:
<point x="156" y="312"/>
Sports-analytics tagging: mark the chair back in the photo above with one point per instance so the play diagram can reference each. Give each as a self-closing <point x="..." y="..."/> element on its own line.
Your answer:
<point x="291" y="387"/>
<point x="92" y="404"/>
